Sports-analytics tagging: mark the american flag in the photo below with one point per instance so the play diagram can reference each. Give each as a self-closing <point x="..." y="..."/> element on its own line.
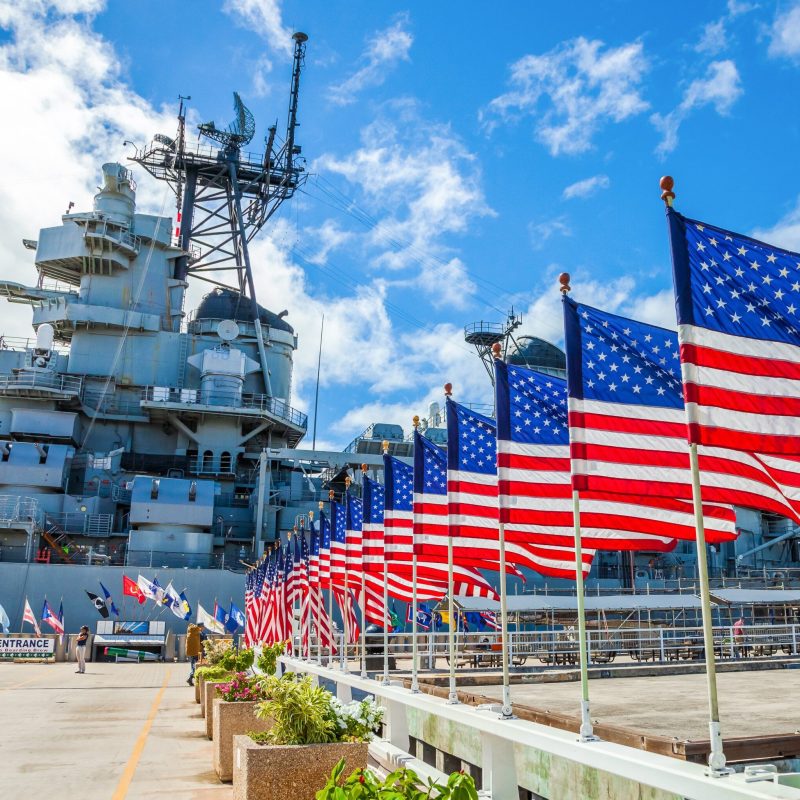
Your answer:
<point x="324" y="527"/>
<point x="535" y="481"/>
<point x="399" y="522"/>
<point x="399" y="583"/>
<point x="338" y="556"/>
<point x="629" y="433"/>
<point x="321" y="620"/>
<point x="368" y="587"/>
<point x="250" y="616"/>
<point x="738" y="306"/>
<point x="344" y="599"/>
<point x="303" y="568"/>
<point x="473" y="502"/>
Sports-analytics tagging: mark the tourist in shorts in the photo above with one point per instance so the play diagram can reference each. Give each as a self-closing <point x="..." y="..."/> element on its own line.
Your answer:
<point x="80" y="649"/>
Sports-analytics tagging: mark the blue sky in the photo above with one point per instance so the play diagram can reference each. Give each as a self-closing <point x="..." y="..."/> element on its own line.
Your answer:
<point x="486" y="152"/>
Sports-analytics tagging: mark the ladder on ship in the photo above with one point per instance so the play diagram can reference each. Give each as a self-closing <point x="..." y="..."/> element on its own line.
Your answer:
<point x="59" y="540"/>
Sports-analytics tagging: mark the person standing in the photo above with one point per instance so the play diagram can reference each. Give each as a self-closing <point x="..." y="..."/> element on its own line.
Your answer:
<point x="80" y="649"/>
<point x="195" y="636"/>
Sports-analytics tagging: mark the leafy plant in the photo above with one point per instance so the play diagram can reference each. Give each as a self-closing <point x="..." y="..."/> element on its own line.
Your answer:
<point x="212" y="673"/>
<point x="268" y="660"/>
<point x="301" y="712"/>
<point x="242" y="688"/>
<point x="237" y="660"/>
<point x="215" y="649"/>
<point x="403" y="784"/>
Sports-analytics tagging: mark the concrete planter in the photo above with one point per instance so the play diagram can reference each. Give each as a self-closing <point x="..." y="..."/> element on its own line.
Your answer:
<point x="207" y="704"/>
<point x="198" y="688"/>
<point x="279" y="772"/>
<point x="232" y="719"/>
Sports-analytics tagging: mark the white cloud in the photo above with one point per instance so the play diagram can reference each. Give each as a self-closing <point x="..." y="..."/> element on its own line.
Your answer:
<point x="386" y="49"/>
<point x="71" y="108"/>
<point x="263" y="17"/>
<point x="427" y="186"/>
<point x="785" y="233"/>
<point x="714" y="38"/>
<point x="785" y="34"/>
<point x="587" y="187"/>
<point x="541" y="232"/>
<point x="572" y="91"/>
<point x="720" y="87"/>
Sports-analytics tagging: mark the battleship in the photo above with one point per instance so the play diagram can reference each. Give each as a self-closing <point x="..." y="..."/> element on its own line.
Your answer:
<point x="137" y="434"/>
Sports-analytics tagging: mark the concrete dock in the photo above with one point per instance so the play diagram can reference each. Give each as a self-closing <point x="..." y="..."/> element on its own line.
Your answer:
<point x="751" y="703"/>
<point x="121" y="731"/>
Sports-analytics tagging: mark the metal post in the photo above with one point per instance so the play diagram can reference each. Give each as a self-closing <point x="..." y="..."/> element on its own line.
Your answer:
<point x="330" y="615"/>
<point x="262" y="488"/>
<point x="452" y="696"/>
<point x="414" y="627"/>
<point x="385" y="680"/>
<point x="342" y="649"/>
<point x="586" y="731"/>
<point x="364" y="617"/>
<point x="661" y="644"/>
<point x="794" y="640"/>
<point x="506" y="712"/>
<point x="716" y="758"/>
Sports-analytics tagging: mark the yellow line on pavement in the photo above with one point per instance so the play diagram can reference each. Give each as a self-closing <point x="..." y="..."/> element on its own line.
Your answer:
<point x="22" y="683"/>
<point x="124" y="784"/>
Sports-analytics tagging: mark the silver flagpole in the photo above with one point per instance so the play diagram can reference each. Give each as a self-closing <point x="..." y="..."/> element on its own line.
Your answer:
<point x="507" y="712"/>
<point x="363" y="588"/>
<point x="414" y="603"/>
<point x="586" y="730"/>
<point x="346" y="662"/>
<point x="385" y="681"/>
<point x="716" y="759"/>
<point x="330" y="582"/>
<point x="452" y="696"/>
<point x="321" y="607"/>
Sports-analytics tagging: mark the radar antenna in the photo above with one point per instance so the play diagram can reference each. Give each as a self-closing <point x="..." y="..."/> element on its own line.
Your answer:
<point x="225" y="196"/>
<point x="238" y="133"/>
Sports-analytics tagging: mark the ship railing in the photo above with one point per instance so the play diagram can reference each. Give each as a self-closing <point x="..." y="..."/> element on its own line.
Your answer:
<point x="23" y="343"/>
<point x="15" y="509"/>
<point x="163" y="559"/>
<point x="81" y="522"/>
<point x="209" y="399"/>
<point x="557" y="648"/>
<point x="41" y="381"/>
<point x="100" y="229"/>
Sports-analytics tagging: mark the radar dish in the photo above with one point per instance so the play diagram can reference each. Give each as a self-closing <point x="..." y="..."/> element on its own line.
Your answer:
<point x="227" y="330"/>
<point x="239" y="132"/>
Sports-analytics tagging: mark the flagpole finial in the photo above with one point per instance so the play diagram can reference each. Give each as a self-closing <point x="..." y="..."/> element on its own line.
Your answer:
<point x="667" y="184"/>
<point x="385" y="446"/>
<point x="364" y="469"/>
<point x="448" y="389"/>
<point x="311" y="515"/>
<point x="347" y="481"/>
<point x="330" y="495"/>
<point x="497" y="350"/>
<point x="320" y="504"/>
<point x="563" y="279"/>
<point x="415" y="421"/>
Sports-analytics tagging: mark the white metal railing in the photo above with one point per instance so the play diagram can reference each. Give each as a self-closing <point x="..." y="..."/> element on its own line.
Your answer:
<point x="16" y="509"/>
<point x="507" y="747"/>
<point x="559" y="648"/>
<point x="36" y="381"/>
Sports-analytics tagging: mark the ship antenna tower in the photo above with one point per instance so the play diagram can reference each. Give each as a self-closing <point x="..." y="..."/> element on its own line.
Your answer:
<point x="483" y="335"/>
<point x="226" y="195"/>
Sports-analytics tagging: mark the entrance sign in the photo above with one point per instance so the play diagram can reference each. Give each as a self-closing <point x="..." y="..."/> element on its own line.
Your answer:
<point x="24" y="647"/>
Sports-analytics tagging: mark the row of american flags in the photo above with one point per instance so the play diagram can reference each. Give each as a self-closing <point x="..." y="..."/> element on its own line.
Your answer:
<point x="615" y="430"/>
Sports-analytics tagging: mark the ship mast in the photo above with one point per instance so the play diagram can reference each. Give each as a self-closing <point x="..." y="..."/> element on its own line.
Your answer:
<point x="225" y="195"/>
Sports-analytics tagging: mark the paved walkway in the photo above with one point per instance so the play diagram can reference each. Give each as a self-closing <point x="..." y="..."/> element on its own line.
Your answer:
<point x="121" y="731"/>
<point x="750" y="703"/>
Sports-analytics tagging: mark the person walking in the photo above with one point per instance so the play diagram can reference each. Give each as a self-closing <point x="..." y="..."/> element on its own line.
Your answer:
<point x="195" y="636"/>
<point x="80" y="649"/>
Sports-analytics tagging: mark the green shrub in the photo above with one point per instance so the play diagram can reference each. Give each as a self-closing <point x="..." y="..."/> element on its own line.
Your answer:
<point x="403" y="784"/>
<point x="268" y="660"/>
<point x="242" y="688"/>
<point x="237" y="660"/>
<point x="212" y="673"/>
<point x="215" y="649"/>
